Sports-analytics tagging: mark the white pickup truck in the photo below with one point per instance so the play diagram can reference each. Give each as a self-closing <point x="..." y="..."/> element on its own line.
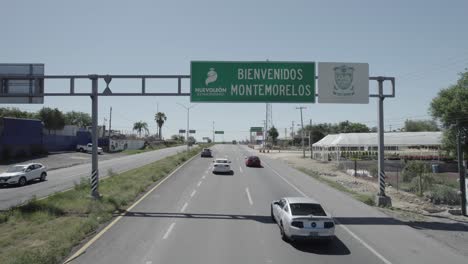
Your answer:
<point x="87" y="148"/>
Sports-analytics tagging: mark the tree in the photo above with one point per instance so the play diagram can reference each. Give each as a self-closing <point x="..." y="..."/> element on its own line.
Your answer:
<point x="16" y="113"/>
<point x="53" y="119"/>
<point x="319" y="131"/>
<point x="350" y="127"/>
<point x="79" y="119"/>
<point x="450" y="107"/>
<point x="191" y="140"/>
<point x="160" y="118"/>
<point x="418" y="174"/>
<point x="273" y="133"/>
<point x="420" y="125"/>
<point x="178" y="138"/>
<point x="140" y="127"/>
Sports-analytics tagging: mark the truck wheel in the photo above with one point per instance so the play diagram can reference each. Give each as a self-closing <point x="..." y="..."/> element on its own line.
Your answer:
<point x="82" y="150"/>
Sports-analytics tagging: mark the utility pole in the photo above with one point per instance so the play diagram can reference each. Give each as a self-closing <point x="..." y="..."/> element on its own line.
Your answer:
<point x="292" y="131"/>
<point x="302" y="131"/>
<point x="110" y="122"/>
<point x="266" y="127"/>
<point x="213" y="133"/>
<point x="104" y="127"/>
<point x="285" y="133"/>
<point x="310" y="140"/>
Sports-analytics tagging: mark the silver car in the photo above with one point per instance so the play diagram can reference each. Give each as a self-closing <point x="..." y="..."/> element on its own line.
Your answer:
<point x="22" y="174"/>
<point x="302" y="218"/>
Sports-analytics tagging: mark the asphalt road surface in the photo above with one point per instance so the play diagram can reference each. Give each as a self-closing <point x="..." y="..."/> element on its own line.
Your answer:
<point x="62" y="179"/>
<point x="199" y="217"/>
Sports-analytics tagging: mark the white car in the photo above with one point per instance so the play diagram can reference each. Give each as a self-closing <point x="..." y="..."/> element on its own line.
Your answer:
<point x="22" y="174"/>
<point x="221" y="166"/>
<point x="302" y="218"/>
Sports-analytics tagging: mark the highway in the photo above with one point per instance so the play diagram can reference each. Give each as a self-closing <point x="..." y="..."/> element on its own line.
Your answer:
<point x="62" y="179"/>
<point x="195" y="216"/>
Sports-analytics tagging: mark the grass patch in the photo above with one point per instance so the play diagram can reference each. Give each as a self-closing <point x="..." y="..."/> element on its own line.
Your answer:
<point x="149" y="148"/>
<point x="365" y="198"/>
<point x="44" y="231"/>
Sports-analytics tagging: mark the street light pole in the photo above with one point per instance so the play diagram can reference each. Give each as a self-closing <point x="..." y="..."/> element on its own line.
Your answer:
<point x="188" y="123"/>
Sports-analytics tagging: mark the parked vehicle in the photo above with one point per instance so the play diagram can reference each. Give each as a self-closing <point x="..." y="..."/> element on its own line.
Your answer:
<point x="87" y="148"/>
<point x="22" y="174"/>
<point x="302" y="218"/>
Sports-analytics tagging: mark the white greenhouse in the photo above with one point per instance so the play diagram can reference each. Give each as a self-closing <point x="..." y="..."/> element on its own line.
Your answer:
<point x="396" y="143"/>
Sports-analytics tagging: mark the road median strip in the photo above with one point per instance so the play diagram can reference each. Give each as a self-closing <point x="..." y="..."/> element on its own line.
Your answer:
<point x="45" y="231"/>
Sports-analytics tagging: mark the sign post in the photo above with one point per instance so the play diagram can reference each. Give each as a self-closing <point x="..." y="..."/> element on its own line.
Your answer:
<point x="280" y="82"/>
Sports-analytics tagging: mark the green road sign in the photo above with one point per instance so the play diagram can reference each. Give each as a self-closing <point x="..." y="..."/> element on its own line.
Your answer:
<point x="181" y="131"/>
<point x="220" y="81"/>
<point x="256" y="129"/>
<point x="219" y="132"/>
<point x="192" y="131"/>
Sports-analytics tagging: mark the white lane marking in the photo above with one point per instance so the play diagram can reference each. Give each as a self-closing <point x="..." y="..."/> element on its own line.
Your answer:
<point x="193" y="193"/>
<point x="248" y="196"/>
<point x="149" y="262"/>
<point x="168" y="231"/>
<point x="240" y="168"/>
<point x="204" y="176"/>
<point x="371" y="249"/>
<point x="199" y="183"/>
<point x="184" y="207"/>
<point x="290" y="184"/>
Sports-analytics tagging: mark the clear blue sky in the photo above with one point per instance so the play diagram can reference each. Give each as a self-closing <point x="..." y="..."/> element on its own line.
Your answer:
<point x="422" y="43"/>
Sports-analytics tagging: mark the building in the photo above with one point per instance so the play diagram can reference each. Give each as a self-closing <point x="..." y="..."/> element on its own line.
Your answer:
<point x="366" y="144"/>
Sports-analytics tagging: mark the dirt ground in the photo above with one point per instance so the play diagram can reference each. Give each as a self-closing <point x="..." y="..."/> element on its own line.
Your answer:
<point x="433" y="220"/>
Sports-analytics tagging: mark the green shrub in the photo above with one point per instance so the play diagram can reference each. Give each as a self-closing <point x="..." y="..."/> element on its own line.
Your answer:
<point x="374" y="170"/>
<point x="414" y="169"/>
<point x="426" y="181"/>
<point x="440" y="194"/>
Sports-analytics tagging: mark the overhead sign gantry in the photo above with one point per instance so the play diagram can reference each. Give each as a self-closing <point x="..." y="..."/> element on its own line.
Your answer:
<point x="219" y="81"/>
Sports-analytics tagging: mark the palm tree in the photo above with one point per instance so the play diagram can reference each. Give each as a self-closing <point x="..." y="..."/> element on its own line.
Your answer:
<point x="140" y="126"/>
<point x="160" y="118"/>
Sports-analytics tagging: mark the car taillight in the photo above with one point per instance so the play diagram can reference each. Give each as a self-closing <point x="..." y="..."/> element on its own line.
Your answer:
<point x="297" y="224"/>
<point x="329" y="224"/>
<point x="226" y="165"/>
<point x="215" y="165"/>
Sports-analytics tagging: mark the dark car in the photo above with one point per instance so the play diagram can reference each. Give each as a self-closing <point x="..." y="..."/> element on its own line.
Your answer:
<point x="253" y="161"/>
<point x="206" y="153"/>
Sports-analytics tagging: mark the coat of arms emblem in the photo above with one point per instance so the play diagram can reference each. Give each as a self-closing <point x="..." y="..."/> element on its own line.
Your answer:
<point x="343" y="81"/>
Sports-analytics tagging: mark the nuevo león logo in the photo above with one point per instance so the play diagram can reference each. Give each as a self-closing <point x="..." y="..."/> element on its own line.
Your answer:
<point x="212" y="76"/>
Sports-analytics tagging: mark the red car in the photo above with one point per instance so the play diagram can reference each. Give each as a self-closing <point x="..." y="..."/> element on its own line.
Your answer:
<point x="253" y="161"/>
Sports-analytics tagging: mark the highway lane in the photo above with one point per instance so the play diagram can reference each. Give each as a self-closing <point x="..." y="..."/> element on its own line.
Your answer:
<point x="198" y="217"/>
<point x="62" y="179"/>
